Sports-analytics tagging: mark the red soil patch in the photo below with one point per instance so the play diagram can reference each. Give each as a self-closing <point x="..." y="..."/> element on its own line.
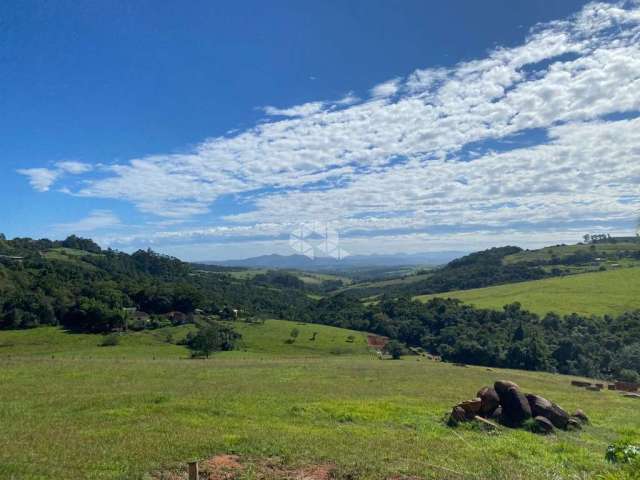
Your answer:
<point x="377" y="342"/>
<point x="221" y="467"/>
<point x="229" y="467"/>
<point x="317" y="472"/>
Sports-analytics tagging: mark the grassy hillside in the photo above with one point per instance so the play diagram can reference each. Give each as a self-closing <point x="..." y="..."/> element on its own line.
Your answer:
<point x="598" y="293"/>
<point x="267" y="338"/>
<point x="562" y="251"/>
<point x="523" y="265"/>
<point x="271" y="338"/>
<point x="116" y="412"/>
<point x="382" y="284"/>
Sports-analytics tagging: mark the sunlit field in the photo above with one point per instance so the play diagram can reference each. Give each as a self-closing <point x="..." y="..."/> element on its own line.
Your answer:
<point x="128" y="410"/>
<point x="611" y="292"/>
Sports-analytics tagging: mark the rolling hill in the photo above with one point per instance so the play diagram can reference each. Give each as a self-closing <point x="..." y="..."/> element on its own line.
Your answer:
<point x="599" y="293"/>
<point x="268" y="337"/>
<point x="302" y="262"/>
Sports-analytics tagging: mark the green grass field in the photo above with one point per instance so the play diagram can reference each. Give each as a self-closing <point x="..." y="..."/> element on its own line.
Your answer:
<point x="404" y="280"/>
<point x="599" y="293"/>
<point x="70" y="409"/>
<point x="268" y="338"/>
<point x="562" y="251"/>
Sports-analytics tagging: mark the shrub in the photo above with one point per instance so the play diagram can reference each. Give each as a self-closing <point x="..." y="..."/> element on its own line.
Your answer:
<point x="294" y="334"/>
<point x="623" y="453"/>
<point x="212" y="338"/>
<point x="110" y="341"/>
<point x="395" y="349"/>
<point x="631" y="376"/>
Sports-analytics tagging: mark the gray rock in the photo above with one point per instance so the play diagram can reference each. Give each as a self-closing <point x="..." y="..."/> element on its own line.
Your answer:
<point x="501" y="386"/>
<point x="471" y="406"/>
<point x="515" y="407"/>
<point x="490" y="401"/>
<point x="458" y="414"/>
<point x="581" y="416"/>
<point x="496" y="416"/>
<point x="542" y="425"/>
<point x="574" y="424"/>
<point x="541" y="407"/>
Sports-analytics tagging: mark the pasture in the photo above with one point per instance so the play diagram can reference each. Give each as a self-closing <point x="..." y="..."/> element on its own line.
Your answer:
<point x="611" y="292"/>
<point x="72" y="409"/>
<point x="560" y="252"/>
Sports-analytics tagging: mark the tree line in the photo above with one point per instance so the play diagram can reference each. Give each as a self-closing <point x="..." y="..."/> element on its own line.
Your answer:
<point x="91" y="290"/>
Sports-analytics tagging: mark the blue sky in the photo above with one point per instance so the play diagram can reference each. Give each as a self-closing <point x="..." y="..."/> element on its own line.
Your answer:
<point x="210" y="130"/>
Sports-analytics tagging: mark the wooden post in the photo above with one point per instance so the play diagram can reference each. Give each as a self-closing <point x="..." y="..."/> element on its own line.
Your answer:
<point x="193" y="470"/>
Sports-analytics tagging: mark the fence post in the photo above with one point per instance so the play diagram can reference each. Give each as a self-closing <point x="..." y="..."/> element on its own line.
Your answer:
<point x="193" y="470"/>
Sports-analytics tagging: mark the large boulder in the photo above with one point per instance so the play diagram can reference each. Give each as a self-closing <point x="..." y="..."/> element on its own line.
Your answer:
<point x="574" y="424"/>
<point x="458" y="414"/>
<point x="489" y="401"/>
<point x="496" y="415"/>
<point x="580" y="383"/>
<point x="501" y="386"/>
<point x="515" y="407"/>
<point x="538" y="404"/>
<point x="472" y="407"/>
<point x="581" y="416"/>
<point x="541" y="407"/>
<point x="542" y="425"/>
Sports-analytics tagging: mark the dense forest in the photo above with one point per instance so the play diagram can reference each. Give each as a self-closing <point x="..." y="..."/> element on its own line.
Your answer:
<point x="76" y="284"/>
<point x="92" y="290"/>
<point x="510" y="338"/>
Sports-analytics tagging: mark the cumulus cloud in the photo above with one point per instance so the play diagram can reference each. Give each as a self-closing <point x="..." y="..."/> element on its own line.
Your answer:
<point x="349" y="99"/>
<point x="297" y="111"/>
<point x="386" y="89"/>
<point x="41" y="179"/>
<point x="583" y="172"/>
<point x="439" y="147"/>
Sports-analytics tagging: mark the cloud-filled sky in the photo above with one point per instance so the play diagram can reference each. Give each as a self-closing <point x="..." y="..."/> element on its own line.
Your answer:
<point x="534" y="139"/>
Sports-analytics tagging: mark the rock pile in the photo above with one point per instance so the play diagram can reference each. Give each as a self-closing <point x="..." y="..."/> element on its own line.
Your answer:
<point x="594" y="387"/>
<point x="505" y="403"/>
<point x="625" y="388"/>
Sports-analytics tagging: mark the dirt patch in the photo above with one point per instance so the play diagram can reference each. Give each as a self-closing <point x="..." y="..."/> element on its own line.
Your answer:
<point x="221" y="467"/>
<point x="230" y="467"/>
<point x="402" y="477"/>
<point x="376" y="341"/>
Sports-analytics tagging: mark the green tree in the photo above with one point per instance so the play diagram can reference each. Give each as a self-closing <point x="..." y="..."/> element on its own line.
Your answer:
<point x="395" y="349"/>
<point x="212" y="338"/>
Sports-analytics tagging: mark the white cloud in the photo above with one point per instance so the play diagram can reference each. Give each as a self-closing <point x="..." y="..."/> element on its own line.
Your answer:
<point x="386" y="89"/>
<point x="303" y="110"/>
<point x="580" y="174"/>
<point x="349" y="99"/>
<point x="95" y="221"/>
<point x="73" y="167"/>
<point x="401" y="159"/>
<point x="40" y="179"/>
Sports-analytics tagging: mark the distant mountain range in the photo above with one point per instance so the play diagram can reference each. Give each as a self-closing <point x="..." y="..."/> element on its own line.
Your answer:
<point x="301" y="262"/>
